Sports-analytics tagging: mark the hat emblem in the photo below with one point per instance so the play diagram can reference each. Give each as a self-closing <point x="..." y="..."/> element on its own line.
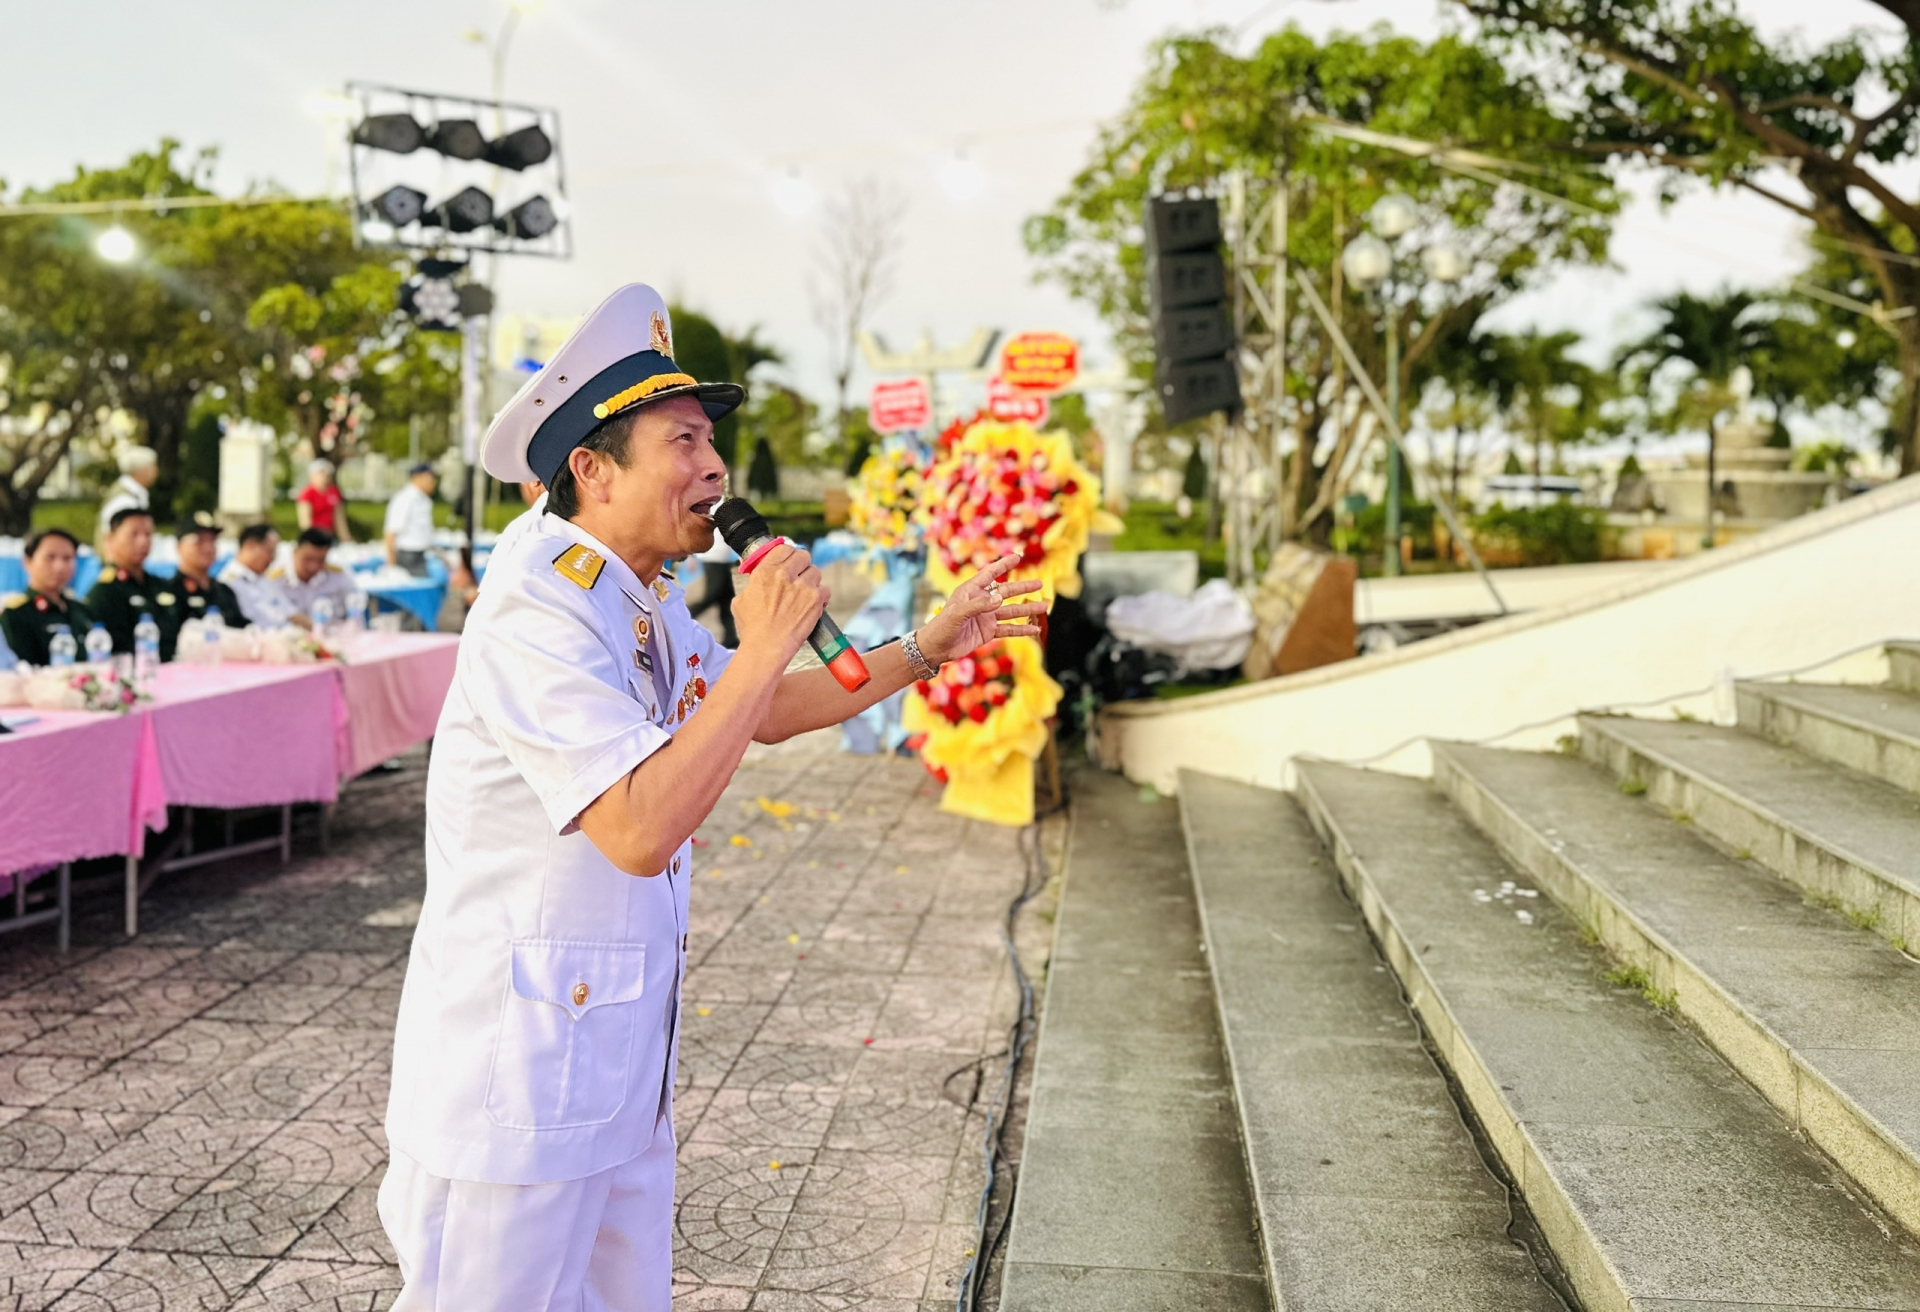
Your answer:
<point x="662" y="341"/>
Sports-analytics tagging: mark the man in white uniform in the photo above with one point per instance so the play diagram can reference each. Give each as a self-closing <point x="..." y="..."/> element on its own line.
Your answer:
<point x="590" y="728"/>
<point x="139" y="469"/>
<point x="307" y="581"/>
<point x="262" y="600"/>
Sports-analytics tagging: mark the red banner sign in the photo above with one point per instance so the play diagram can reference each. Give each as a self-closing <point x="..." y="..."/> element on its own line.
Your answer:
<point x="1011" y="407"/>
<point x="1043" y="363"/>
<point x="899" y="403"/>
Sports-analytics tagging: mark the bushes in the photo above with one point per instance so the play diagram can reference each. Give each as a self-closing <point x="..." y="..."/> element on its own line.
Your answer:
<point x="1557" y="534"/>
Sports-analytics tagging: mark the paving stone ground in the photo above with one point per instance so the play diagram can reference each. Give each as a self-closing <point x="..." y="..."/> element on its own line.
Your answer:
<point x="192" y="1120"/>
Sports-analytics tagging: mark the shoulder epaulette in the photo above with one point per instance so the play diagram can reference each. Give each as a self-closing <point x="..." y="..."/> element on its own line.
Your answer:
<point x="107" y="575"/>
<point x="13" y="599"/>
<point x="579" y="565"/>
<point x="277" y="572"/>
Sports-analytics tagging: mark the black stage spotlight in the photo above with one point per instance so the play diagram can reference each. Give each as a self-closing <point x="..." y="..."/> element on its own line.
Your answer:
<point x="398" y="133"/>
<point x="521" y="149"/>
<point x="397" y="205"/>
<point x="529" y="221"/>
<point x="457" y="138"/>
<point x="467" y="209"/>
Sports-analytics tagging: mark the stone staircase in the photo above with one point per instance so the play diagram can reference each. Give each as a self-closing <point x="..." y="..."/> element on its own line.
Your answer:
<point x="1629" y="1026"/>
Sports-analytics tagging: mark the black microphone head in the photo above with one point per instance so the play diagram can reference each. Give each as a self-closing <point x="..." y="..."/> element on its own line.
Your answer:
<point x="740" y="524"/>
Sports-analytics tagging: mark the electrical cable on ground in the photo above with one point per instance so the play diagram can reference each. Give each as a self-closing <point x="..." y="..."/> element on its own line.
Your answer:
<point x="1019" y="1035"/>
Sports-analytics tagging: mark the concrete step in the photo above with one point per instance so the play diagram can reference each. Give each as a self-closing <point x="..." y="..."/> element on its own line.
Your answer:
<point x="1370" y="1191"/>
<point x="1873" y="730"/>
<point x="1903" y="665"/>
<point x="1845" y="838"/>
<point x="1660" y="1177"/>
<point x="1823" y="1018"/>
<point x="1133" y="1190"/>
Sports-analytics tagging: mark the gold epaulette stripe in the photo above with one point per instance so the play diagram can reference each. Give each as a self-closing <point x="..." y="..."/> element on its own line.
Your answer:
<point x="641" y="391"/>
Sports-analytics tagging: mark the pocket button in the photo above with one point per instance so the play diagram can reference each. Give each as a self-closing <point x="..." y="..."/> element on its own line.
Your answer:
<point x="580" y="992"/>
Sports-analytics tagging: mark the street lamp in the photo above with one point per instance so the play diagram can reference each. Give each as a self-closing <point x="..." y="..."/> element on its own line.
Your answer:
<point x="1370" y="264"/>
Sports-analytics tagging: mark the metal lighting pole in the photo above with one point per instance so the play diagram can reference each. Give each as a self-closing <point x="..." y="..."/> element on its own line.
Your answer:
<point x="1369" y="262"/>
<point x="1392" y="564"/>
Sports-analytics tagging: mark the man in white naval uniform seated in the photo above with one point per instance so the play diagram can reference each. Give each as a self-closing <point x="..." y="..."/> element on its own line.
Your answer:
<point x="590" y="728"/>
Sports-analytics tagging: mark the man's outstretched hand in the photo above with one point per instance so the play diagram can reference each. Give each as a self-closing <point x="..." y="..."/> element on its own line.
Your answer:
<point x="980" y="610"/>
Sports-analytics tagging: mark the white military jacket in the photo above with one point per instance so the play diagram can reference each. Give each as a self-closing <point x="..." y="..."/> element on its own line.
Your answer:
<point x="539" y="1017"/>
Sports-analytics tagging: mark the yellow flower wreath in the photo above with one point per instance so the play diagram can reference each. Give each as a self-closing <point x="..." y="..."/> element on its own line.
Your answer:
<point x="988" y="765"/>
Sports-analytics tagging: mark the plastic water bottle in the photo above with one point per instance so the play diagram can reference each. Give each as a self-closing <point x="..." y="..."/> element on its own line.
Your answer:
<point x="61" y="648"/>
<point x="323" y="615"/>
<point x="210" y="627"/>
<point x="146" y="652"/>
<point x="99" y="644"/>
<point x="357" y="611"/>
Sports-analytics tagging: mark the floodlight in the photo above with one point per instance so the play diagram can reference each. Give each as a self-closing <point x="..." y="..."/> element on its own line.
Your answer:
<point x="1393" y="215"/>
<point x="398" y="205"/>
<point x="1367" y="261"/>
<point x="464" y="211"/>
<point x="398" y="133"/>
<point x="115" y="245"/>
<point x="457" y="138"/>
<point x="521" y="149"/>
<point x="529" y="220"/>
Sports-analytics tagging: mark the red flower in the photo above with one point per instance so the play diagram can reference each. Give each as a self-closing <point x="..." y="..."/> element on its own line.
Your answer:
<point x="979" y="713"/>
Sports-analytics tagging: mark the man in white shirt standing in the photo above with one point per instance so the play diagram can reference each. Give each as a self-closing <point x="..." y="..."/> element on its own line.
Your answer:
<point x="139" y="468"/>
<point x="590" y="728"/>
<point x="409" y="529"/>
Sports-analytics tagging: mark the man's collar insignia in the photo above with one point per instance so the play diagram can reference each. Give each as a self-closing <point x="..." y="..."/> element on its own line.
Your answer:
<point x="660" y="589"/>
<point x="579" y="565"/>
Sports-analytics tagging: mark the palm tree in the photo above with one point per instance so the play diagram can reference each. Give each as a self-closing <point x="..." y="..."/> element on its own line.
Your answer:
<point x="1711" y="336"/>
<point x="1545" y="395"/>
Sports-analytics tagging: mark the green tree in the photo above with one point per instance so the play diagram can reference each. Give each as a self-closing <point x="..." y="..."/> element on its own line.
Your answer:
<point x="1545" y="396"/>
<point x="211" y="312"/>
<point x="710" y="354"/>
<point x="1193" y="479"/>
<point x="1691" y="88"/>
<point x="1202" y="111"/>
<point x="1691" y="355"/>
<point x="780" y="418"/>
<point x="763" y="474"/>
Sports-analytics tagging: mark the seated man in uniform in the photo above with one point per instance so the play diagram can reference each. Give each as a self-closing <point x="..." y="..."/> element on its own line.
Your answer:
<point x="30" y="617"/>
<point x="591" y="726"/>
<point x="200" y="592"/>
<point x="262" y="599"/>
<point x="125" y="591"/>
<point x="311" y="579"/>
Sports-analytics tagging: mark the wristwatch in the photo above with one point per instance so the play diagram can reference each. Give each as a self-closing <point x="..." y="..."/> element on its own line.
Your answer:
<point x="916" y="659"/>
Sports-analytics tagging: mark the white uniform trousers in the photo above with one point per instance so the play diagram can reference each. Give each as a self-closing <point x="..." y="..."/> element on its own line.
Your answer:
<point x="602" y="1244"/>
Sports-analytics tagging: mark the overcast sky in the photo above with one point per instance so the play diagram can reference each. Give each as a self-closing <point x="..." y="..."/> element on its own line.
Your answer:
<point x="698" y="137"/>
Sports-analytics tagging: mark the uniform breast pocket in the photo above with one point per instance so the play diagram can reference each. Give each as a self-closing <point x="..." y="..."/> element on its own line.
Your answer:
<point x="564" y="1054"/>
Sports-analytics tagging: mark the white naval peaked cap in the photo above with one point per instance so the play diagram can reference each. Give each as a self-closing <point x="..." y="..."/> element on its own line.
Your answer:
<point x="619" y="358"/>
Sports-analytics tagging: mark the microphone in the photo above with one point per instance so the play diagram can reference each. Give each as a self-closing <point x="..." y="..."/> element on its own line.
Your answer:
<point x="749" y="535"/>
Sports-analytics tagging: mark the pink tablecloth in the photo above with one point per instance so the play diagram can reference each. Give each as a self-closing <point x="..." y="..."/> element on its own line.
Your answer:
<point x="394" y="684"/>
<point x="75" y="784"/>
<point x="247" y="735"/>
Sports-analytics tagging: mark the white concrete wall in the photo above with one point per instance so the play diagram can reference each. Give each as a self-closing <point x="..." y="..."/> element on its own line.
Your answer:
<point x="1799" y="595"/>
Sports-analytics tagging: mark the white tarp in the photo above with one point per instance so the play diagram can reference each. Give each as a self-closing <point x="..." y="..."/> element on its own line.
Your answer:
<point x="1208" y="631"/>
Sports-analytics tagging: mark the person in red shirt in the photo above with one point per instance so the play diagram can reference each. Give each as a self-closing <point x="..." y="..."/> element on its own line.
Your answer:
<point x="320" y="503"/>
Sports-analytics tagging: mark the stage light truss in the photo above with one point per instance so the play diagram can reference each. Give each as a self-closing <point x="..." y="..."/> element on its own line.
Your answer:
<point x="453" y="174"/>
